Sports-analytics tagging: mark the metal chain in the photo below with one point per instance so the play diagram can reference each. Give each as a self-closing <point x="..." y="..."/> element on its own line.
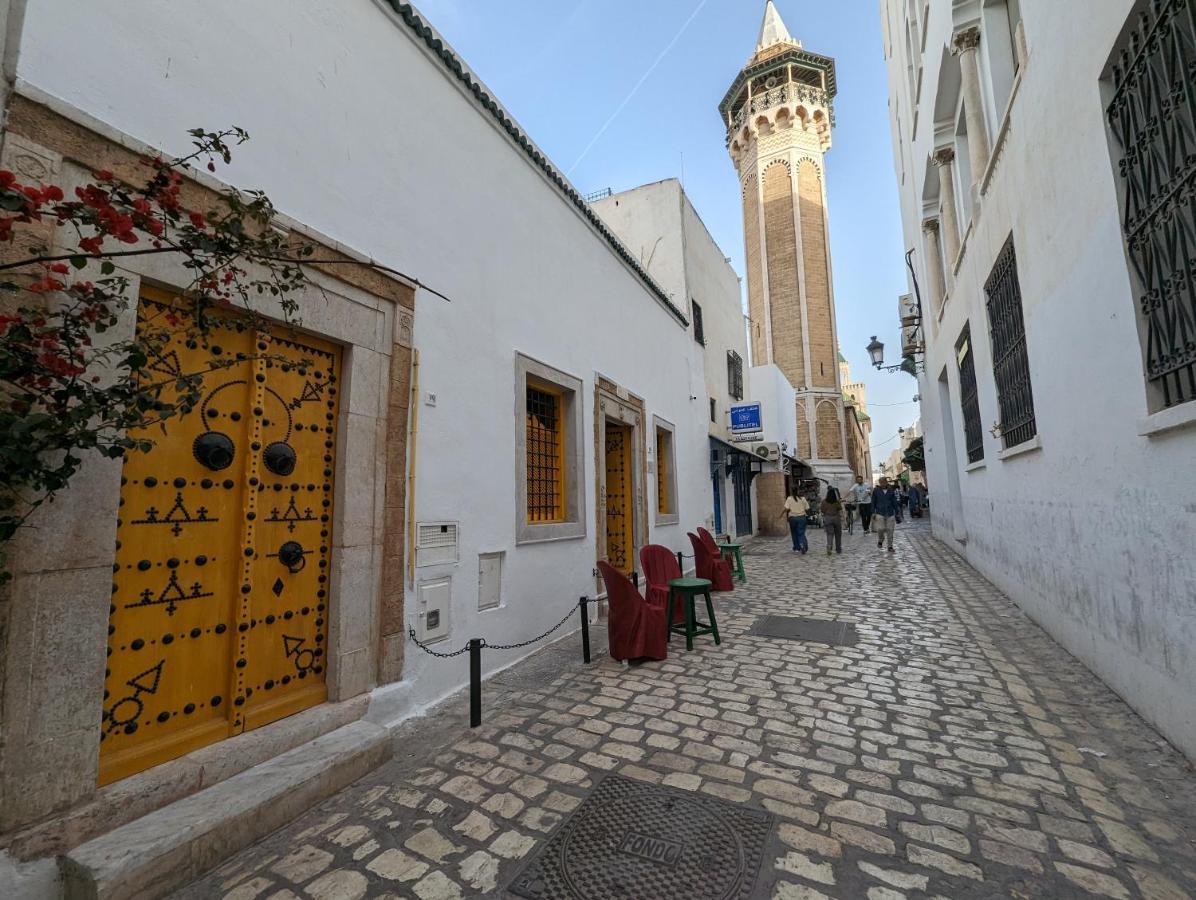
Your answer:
<point x="429" y="650"/>
<point x="569" y="615"/>
<point x="485" y="643"/>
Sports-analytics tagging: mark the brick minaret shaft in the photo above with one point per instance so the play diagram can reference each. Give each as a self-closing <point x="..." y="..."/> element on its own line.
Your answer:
<point x="779" y="116"/>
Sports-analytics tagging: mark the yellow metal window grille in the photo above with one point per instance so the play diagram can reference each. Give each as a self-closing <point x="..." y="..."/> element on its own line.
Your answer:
<point x="664" y="452"/>
<point x="545" y="456"/>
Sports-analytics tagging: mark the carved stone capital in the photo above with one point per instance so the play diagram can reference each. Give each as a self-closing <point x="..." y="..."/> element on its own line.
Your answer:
<point x="963" y="41"/>
<point x="944" y="157"/>
<point x="930" y="226"/>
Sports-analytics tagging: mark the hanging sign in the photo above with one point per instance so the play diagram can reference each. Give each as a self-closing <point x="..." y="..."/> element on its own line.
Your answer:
<point x="746" y="417"/>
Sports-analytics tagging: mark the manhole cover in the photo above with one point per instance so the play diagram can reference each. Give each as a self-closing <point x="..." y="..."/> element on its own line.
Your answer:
<point x="635" y="840"/>
<point x="820" y="631"/>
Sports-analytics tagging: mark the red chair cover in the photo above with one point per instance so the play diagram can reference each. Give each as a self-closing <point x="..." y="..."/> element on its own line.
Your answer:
<point x="660" y="567"/>
<point x="709" y="541"/>
<point x="711" y="566"/>
<point x="636" y="627"/>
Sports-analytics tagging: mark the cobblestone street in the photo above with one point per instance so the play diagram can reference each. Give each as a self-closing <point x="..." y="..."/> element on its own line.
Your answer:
<point x="955" y="751"/>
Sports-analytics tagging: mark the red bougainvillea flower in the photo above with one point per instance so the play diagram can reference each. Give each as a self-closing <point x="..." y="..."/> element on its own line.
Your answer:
<point x="104" y="175"/>
<point x="7" y="179"/>
<point x="61" y="268"/>
<point x="52" y="192"/>
<point x="91" y="244"/>
<point x="198" y="220"/>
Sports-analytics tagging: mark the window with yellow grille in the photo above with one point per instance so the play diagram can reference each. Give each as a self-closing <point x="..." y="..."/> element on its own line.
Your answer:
<point x="545" y="456"/>
<point x="664" y="462"/>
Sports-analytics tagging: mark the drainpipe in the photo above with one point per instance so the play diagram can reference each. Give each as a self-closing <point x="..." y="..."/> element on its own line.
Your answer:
<point x="412" y="437"/>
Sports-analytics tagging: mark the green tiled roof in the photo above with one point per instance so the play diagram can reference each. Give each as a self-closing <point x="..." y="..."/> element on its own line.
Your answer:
<point x="454" y="65"/>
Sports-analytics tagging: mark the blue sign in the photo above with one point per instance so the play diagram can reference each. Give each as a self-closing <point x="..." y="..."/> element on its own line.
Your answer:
<point x="746" y="417"/>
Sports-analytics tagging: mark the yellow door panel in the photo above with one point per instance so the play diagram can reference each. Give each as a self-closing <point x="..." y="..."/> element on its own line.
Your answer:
<point x="192" y="585"/>
<point x="292" y="538"/>
<point x="619" y="528"/>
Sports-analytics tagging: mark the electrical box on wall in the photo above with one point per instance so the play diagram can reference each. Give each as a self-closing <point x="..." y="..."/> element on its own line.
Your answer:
<point x="434" y="599"/>
<point x="435" y="543"/>
<point x="490" y="580"/>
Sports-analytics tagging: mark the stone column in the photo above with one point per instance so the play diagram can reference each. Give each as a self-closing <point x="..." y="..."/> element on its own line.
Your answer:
<point x="944" y="160"/>
<point x="966" y="45"/>
<point x="934" y="262"/>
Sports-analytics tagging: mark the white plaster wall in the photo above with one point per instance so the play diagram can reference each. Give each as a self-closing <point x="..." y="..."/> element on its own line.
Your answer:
<point x="1090" y="534"/>
<point x="661" y="226"/>
<point x="359" y="133"/>
<point x="778" y="401"/>
<point x="659" y="223"/>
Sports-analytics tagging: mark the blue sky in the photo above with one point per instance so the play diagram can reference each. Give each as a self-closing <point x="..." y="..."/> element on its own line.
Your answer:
<point x="563" y="67"/>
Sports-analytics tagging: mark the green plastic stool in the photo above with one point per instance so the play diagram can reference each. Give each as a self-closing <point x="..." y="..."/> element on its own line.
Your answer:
<point x="736" y="550"/>
<point x="688" y="589"/>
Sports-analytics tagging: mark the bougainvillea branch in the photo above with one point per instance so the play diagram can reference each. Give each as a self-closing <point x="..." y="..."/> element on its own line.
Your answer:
<point x="67" y="388"/>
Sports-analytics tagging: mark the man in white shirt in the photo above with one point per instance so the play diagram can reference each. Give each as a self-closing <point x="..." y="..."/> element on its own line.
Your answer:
<point x="796" y="509"/>
<point x="861" y="495"/>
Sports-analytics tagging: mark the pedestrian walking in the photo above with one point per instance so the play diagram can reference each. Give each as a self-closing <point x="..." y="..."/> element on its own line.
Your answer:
<point x="796" y="510"/>
<point x="886" y="512"/>
<point x="915" y="501"/>
<point x="832" y="521"/>
<point x="862" y="495"/>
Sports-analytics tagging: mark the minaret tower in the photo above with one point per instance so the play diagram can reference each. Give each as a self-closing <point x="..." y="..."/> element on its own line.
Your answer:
<point x="779" y="116"/>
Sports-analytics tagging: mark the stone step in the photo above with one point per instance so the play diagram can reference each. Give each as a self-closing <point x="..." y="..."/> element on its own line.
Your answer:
<point x="166" y="849"/>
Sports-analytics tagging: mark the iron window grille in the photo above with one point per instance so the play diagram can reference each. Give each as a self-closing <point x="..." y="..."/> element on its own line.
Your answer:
<point x="1152" y="117"/>
<point x="734" y="375"/>
<point x="545" y="456"/>
<point x="969" y="398"/>
<point x="664" y="453"/>
<point x="1011" y="362"/>
<point x="699" y="330"/>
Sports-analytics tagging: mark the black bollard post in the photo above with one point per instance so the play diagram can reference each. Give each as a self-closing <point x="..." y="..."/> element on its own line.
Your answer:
<point x="681" y="563"/>
<point x="475" y="683"/>
<point x="584" y="605"/>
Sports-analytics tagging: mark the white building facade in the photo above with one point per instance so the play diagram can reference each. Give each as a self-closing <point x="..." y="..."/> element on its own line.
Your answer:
<point x="490" y="447"/>
<point x="660" y="226"/>
<point x="1042" y="192"/>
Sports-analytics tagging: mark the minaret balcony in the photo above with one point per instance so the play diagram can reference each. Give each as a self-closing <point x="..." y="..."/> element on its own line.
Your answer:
<point x="809" y="105"/>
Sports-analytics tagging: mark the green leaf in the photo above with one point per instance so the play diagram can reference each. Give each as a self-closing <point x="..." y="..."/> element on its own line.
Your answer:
<point x="107" y="267"/>
<point x="79" y="262"/>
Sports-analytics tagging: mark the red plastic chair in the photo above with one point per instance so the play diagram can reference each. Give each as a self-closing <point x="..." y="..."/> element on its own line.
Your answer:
<point x="660" y="567"/>
<point x="711" y="565"/>
<point x="710" y="543"/>
<point x="636" y="627"/>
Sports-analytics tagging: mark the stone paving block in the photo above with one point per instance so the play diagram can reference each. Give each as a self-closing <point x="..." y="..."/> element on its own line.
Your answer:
<point x="938" y="758"/>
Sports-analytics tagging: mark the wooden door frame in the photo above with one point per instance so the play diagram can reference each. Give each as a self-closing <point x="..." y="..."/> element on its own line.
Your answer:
<point x="619" y="405"/>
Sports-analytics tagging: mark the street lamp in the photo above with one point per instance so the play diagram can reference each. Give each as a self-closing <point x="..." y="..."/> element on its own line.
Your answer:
<point x="909" y="365"/>
<point x="876" y="350"/>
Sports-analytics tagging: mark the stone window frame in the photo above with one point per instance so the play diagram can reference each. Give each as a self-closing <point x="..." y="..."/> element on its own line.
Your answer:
<point x="569" y="387"/>
<point x="666" y="470"/>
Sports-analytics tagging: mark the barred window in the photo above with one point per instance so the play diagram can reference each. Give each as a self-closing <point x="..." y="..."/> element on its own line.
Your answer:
<point x="734" y="375"/>
<point x="1011" y="362"/>
<point x="545" y="456"/>
<point x="664" y="465"/>
<point x="1152" y="118"/>
<point x="969" y="399"/>
<point x="699" y="330"/>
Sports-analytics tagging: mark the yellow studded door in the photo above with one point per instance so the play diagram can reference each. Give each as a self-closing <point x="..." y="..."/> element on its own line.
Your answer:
<point x="220" y="589"/>
<point x="619" y="525"/>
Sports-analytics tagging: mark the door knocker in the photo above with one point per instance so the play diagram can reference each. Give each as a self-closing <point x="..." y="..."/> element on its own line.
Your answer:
<point x="291" y="555"/>
<point x="279" y="458"/>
